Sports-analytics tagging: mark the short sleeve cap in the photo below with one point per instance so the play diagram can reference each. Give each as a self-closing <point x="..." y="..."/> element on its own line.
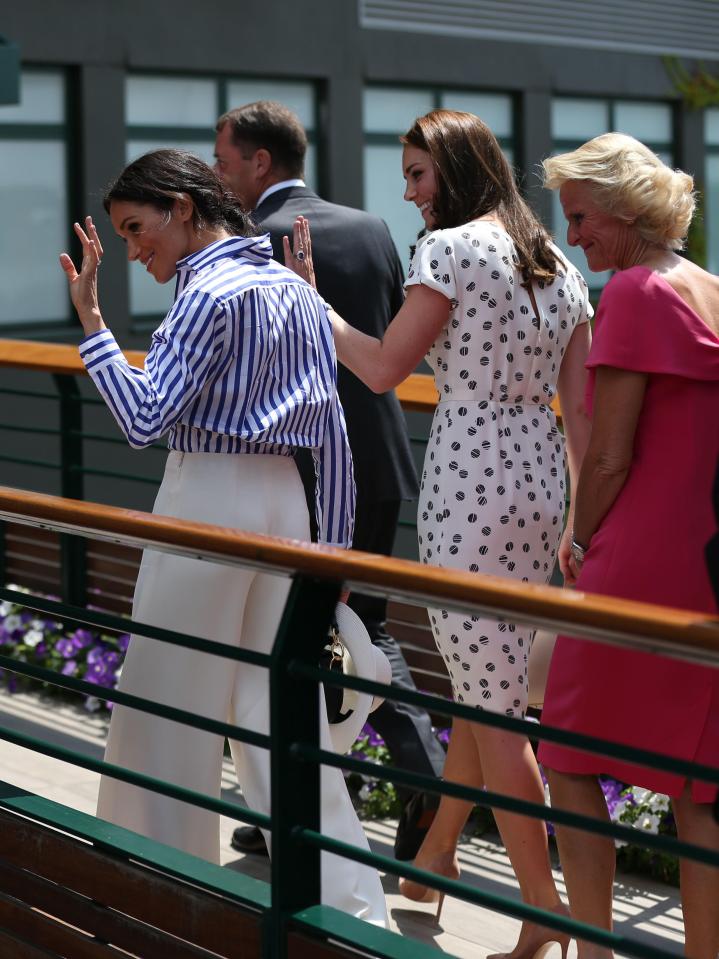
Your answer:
<point x="644" y="325"/>
<point x="433" y="265"/>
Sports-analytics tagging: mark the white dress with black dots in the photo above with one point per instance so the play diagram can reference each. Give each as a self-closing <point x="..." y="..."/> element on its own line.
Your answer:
<point x="493" y="485"/>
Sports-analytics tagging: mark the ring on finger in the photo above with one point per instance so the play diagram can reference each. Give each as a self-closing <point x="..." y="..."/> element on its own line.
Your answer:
<point x="300" y="255"/>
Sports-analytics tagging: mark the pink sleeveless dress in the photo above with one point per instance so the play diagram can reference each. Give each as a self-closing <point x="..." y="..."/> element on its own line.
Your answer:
<point x="649" y="547"/>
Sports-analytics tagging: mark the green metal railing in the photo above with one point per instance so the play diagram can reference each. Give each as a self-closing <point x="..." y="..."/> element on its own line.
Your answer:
<point x="294" y="720"/>
<point x="72" y="464"/>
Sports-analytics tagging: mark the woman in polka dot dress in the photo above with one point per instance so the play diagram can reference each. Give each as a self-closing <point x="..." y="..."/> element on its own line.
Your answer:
<point x="502" y="320"/>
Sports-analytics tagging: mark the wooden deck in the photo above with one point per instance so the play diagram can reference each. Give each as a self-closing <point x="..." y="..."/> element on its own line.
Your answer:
<point x="649" y="910"/>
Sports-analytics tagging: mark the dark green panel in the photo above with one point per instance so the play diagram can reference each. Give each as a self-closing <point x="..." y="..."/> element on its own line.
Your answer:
<point x="9" y="72"/>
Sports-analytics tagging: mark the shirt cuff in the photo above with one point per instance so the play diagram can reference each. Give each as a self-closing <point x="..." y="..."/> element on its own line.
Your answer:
<point x="326" y="542"/>
<point x="99" y="349"/>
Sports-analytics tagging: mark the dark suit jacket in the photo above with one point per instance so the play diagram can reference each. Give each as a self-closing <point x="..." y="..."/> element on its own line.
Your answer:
<point x="360" y="275"/>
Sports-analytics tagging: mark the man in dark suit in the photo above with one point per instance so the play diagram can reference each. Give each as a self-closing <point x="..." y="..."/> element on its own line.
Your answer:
<point x="260" y="152"/>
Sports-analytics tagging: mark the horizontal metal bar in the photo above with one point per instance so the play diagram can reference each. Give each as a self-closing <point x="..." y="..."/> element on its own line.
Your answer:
<point x="114" y="474"/>
<point x="35" y="430"/>
<point x="446" y="707"/>
<point x="325" y="922"/>
<point x="30" y="394"/>
<point x="125" y="844"/>
<point x="136" y="702"/>
<point x="483" y="797"/>
<point x="113" y="440"/>
<point x="471" y="894"/>
<point x="24" y="462"/>
<point x="123" y="625"/>
<point x="558" y="622"/>
<point x="136" y="779"/>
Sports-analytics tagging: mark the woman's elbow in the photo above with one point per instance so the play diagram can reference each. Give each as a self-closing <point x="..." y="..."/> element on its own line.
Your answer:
<point x="380" y="384"/>
<point x="612" y="465"/>
<point x="381" y="379"/>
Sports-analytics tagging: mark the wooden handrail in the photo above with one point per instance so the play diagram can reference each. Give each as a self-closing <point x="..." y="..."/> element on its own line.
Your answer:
<point x="690" y="635"/>
<point x="416" y="393"/>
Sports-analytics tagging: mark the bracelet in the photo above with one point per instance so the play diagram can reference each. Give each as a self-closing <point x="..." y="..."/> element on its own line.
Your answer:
<point x="578" y="551"/>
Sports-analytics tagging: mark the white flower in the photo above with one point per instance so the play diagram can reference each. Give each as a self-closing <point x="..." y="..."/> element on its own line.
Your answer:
<point x="12" y="622"/>
<point x="37" y="624"/>
<point x="32" y="637"/>
<point x="366" y="790"/>
<point x="640" y="794"/>
<point x="650" y="823"/>
<point x="5" y="608"/>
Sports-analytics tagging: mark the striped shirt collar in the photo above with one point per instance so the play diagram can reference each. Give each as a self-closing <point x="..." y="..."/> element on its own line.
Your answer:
<point x="256" y="249"/>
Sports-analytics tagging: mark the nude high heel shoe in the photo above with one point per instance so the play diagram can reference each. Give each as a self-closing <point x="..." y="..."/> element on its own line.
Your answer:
<point x="553" y="947"/>
<point x="552" y="950"/>
<point x="444" y="866"/>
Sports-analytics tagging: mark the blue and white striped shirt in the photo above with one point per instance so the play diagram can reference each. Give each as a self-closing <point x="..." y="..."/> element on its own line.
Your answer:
<point x="243" y="363"/>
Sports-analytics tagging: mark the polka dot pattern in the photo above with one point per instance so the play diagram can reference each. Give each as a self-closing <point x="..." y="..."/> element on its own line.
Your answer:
<point x="493" y="484"/>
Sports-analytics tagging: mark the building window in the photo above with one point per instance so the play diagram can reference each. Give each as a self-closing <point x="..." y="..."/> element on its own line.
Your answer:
<point x="181" y="112"/>
<point x="34" y="202"/>
<point x="388" y="113"/>
<point x="576" y="120"/>
<point x="711" y="197"/>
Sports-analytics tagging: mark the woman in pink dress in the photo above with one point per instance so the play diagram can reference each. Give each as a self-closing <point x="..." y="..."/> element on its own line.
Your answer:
<point x="643" y="514"/>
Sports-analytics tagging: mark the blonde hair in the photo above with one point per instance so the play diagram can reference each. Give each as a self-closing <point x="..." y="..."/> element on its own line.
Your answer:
<point x="630" y="182"/>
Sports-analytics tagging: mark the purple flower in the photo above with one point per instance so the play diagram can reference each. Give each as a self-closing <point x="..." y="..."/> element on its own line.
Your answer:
<point x="443" y="736"/>
<point x="98" y="674"/>
<point x="373" y="737"/>
<point x="69" y="668"/>
<point x="65" y="648"/>
<point x="123" y="641"/>
<point x="81" y="638"/>
<point x="96" y="654"/>
<point x="111" y="660"/>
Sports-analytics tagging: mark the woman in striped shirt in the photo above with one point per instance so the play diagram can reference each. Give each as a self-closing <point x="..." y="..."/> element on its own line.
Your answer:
<point x="243" y="363"/>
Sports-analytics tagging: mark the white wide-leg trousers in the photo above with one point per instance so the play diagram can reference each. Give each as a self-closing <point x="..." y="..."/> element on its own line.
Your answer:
<point x="259" y="493"/>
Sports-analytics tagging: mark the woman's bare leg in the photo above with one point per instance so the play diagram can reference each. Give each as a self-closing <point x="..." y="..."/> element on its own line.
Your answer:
<point x="438" y="852"/>
<point x="588" y="860"/>
<point x="699" y="882"/>
<point x="510" y="768"/>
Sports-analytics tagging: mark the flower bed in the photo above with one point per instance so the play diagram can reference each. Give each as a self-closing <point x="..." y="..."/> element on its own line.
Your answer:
<point x="97" y="658"/>
<point x="628" y="805"/>
<point x="82" y="653"/>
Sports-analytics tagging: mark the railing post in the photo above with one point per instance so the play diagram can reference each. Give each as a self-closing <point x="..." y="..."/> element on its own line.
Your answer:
<point x="3" y="557"/>
<point x="72" y="548"/>
<point x="295" y="789"/>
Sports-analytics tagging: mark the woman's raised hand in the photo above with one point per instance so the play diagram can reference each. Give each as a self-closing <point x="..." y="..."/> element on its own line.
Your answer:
<point x="83" y="285"/>
<point x="298" y="257"/>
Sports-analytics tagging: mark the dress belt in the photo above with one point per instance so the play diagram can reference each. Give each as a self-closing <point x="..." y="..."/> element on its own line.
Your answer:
<point x="472" y="398"/>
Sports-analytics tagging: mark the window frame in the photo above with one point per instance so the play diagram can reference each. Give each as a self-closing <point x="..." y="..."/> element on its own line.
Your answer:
<point x="436" y="93"/>
<point x="58" y="132"/>
<point x="567" y="144"/>
<point x="711" y="149"/>
<point x="144" y="322"/>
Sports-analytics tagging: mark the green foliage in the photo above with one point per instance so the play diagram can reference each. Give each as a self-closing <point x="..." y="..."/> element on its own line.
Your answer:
<point x="699" y="89"/>
<point x="374" y="799"/>
<point x="697" y="237"/>
<point x="652" y="812"/>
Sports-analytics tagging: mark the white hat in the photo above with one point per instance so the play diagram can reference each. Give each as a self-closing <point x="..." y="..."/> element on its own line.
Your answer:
<point x="360" y="659"/>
